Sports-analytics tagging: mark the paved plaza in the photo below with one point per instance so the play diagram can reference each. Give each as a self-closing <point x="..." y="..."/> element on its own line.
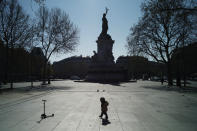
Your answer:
<point x="133" y="106"/>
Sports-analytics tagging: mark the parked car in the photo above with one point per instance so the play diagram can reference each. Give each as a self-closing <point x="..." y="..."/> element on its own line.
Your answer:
<point x="155" y="78"/>
<point x="75" y="78"/>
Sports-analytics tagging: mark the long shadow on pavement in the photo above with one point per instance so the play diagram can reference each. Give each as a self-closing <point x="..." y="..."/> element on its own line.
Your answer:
<point x="34" y="89"/>
<point x="109" y="83"/>
<point x="172" y="88"/>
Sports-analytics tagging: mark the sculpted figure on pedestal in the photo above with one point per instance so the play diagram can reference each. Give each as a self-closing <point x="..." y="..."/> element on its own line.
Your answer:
<point x="94" y="57"/>
<point x="105" y="23"/>
<point x="104" y="34"/>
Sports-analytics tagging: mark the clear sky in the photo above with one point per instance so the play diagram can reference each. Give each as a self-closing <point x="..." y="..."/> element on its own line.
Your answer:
<point x="87" y="16"/>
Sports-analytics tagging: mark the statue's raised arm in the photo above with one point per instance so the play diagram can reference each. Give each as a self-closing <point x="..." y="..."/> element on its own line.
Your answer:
<point x="106" y="10"/>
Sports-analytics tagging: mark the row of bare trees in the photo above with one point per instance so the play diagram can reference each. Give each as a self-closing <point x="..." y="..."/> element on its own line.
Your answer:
<point x="50" y="29"/>
<point x="165" y="26"/>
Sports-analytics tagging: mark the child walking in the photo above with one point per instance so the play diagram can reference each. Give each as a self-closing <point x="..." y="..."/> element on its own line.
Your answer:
<point x="104" y="108"/>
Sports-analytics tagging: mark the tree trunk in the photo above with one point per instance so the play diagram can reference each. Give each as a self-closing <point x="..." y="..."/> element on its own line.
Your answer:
<point x="31" y="72"/>
<point x="178" y="80"/>
<point x="48" y="74"/>
<point x="6" y="64"/>
<point x="184" y="70"/>
<point x="11" y="68"/>
<point x="178" y="74"/>
<point x="169" y="74"/>
<point x="184" y="78"/>
<point x="44" y="72"/>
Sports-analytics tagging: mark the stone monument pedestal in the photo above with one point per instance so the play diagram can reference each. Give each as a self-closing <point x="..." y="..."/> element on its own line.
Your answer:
<point x="106" y="73"/>
<point x="103" y="67"/>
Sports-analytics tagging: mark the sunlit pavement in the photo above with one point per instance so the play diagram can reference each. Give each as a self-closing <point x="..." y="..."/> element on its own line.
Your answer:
<point x="141" y="106"/>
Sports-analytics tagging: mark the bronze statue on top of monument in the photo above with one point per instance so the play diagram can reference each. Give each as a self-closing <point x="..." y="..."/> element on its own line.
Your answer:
<point x="104" y="34"/>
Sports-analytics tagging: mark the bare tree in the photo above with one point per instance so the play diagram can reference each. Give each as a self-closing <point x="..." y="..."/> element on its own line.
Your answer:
<point x="189" y="6"/>
<point x="56" y="33"/>
<point x="158" y="33"/>
<point x="14" y="30"/>
<point x="40" y="2"/>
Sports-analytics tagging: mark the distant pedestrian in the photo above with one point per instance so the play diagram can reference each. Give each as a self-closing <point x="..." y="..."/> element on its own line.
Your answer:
<point x="162" y="80"/>
<point x="104" y="108"/>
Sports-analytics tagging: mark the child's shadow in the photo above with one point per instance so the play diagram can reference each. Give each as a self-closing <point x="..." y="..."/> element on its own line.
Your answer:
<point x="105" y="122"/>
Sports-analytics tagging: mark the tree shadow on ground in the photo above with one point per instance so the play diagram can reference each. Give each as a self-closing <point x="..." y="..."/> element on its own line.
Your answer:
<point x="39" y="88"/>
<point x="172" y="88"/>
<point x="100" y="82"/>
<point x="113" y="83"/>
